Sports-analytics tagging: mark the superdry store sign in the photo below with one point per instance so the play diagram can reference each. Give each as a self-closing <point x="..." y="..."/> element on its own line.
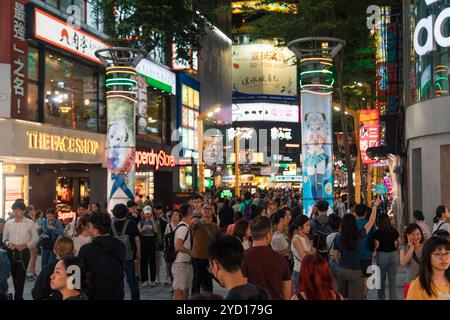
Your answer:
<point x="155" y="159"/>
<point x="66" y="36"/>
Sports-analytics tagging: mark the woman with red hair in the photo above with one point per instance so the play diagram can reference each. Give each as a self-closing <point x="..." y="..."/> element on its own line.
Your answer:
<point x="316" y="280"/>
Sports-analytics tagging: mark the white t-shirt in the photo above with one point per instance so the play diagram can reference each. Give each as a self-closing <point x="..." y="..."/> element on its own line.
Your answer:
<point x="297" y="258"/>
<point x="182" y="230"/>
<point x="279" y="242"/>
<point x="441" y="225"/>
<point x="80" y="241"/>
<point x="330" y="239"/>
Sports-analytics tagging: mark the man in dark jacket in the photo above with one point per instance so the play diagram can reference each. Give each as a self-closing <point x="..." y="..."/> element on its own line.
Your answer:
<point x="104" y="259"/>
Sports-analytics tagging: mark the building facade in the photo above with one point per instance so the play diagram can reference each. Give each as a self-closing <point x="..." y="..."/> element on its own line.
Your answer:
<point x="427" y="100"/>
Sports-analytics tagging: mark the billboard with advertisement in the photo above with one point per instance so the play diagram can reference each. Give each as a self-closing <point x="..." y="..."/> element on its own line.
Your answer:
<point x="264" y="72"/>
<point x="369" y="133"/>
<point x="262" y="111"/>
<point x="317" y="149"/>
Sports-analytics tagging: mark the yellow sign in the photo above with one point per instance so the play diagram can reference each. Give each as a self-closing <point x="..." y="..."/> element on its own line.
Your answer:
<point x="9" y="168"/>
<point x="53" y="142"/>
<point x="242" y="6"/>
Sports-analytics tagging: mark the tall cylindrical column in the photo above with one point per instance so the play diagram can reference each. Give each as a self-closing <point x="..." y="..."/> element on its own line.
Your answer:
<point x="121" y="120"/>
<point x="120" y="102"/>
<point x="316" y="85"/>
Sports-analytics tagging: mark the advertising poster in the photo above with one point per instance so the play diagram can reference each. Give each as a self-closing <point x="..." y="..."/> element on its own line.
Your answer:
<point x="263" y="72"/>
<point x="317" y="149"/>
<point x="121" y="150"/>
<point x="369" y="133"/>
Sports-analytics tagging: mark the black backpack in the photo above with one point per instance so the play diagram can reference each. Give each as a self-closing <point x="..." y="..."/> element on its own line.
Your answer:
<point x="320" y="238"/>
<point x="170" y="254"/>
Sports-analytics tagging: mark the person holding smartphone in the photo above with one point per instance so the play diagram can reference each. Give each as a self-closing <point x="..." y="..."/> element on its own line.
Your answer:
<point x="148" y="230"/>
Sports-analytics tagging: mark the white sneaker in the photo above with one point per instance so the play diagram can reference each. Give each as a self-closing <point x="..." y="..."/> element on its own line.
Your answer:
<point x="146" y="284"/>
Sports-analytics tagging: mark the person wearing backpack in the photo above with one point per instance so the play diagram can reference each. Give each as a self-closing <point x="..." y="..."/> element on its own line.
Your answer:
<point x="320" y="229"/>
<point x="204" y="231"/>
<point x="246" y="206"/>
<point x="175" y="219"/>
<point x="347" y="248"/>
<point x="104" y="259"/>
<point x="127" y="232"/>
<point x="441" y="219"/>
<point x="182" y="267"/>
<point x="300" y="246"/>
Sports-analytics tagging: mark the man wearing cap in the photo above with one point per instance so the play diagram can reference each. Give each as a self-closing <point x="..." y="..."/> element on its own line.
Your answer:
<point x="19" y="235"/>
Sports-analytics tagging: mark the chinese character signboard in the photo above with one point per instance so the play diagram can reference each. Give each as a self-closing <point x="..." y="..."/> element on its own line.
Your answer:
<point x="19" y="53"/>
<point x="263" y="72"/>
<point x="369" y="133"/>
<point x="63" y="35"/>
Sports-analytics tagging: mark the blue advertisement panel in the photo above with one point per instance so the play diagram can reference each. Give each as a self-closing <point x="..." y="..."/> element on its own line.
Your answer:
<point x="317" y="149"/>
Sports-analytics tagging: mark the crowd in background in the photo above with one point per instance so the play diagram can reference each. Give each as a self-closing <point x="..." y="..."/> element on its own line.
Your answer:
<point x="258" y="247"/>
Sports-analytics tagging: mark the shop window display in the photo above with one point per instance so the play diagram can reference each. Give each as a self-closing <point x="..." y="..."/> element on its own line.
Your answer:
<point x="64" y="190"/>
<point x="186" y="179"/>
<point x="85" y="190"/>
<point x="70" y="93"/>
<point x="190" y="100"/>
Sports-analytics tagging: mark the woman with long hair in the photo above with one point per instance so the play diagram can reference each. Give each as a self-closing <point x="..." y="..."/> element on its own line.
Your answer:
<point x="433" y="281"/>
<point x="82" y="234"/>
<point x="441" y="219"/>
<point x="242" y="232"/>
<point x="386" y="243"/>
<point x="317" y="281"/>
<point x="411" y="253"/>
<point x="237" y="216"/>
<point x="347" y="247"/>
<point x="300" y="245"/>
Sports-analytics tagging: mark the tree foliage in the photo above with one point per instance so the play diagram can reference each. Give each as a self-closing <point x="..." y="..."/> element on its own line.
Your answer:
<point x="151" y="23"/>
<point x="343" y="19"/>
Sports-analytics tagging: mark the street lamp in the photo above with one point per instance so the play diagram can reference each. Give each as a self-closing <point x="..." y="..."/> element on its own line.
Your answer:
<point x="201" y="164"/>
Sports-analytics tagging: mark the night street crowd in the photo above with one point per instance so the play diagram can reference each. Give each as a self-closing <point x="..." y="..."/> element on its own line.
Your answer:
<point x="258" y="247"/>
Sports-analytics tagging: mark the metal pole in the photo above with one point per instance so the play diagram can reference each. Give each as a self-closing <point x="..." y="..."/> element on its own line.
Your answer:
<point x="201" y="164"/>
<point x="237" y="190"/>
<point x="358" y="160"/>
<point x="344" y="127"/>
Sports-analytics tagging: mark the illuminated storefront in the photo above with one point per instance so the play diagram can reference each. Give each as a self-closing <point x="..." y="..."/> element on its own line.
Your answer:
<point x="428" y="105"/>
<point x="188" y="110"/>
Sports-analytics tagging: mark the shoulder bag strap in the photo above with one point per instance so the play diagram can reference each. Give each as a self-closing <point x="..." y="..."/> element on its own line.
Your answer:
<point x="113" y="228"/>
<point x="124" y="229"/>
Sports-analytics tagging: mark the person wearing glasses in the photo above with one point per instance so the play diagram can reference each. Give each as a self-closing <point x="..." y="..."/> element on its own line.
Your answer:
<point x="433" y="281"/>
<point x="19" y="236"/>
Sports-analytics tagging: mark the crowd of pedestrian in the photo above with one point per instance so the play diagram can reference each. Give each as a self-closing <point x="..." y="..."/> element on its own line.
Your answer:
<point x="258" y="247"/>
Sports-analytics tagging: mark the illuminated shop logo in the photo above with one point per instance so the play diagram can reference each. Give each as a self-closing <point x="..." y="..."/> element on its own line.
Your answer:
<point x="434" y="28"/>
<point x="157" y="159"/>
<point x="65" y="144"/>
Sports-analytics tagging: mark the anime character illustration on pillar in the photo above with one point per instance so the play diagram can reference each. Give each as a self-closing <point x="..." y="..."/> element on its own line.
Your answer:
<point x="120" y="157"/>
<point x="316" y="160"/>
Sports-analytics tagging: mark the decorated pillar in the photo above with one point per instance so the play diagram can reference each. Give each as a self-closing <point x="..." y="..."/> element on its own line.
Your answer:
<point x="121" y="119"/>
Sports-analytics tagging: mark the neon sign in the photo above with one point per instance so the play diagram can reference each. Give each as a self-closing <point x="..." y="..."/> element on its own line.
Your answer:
<point x="158" y="159"/>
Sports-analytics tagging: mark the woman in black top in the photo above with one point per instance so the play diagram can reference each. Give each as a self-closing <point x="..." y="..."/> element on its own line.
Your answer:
<point x="386" y="243"/>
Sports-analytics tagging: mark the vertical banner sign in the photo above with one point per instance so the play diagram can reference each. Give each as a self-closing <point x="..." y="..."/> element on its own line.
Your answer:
<point x="121" y="150"/>
<point x="317" y="148"/>
<point x="19" y="56"/>
<point x="369" y="133"/>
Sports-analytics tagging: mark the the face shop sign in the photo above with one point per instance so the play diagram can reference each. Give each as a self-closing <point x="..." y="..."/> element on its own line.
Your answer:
<point x="434" y="27"/>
